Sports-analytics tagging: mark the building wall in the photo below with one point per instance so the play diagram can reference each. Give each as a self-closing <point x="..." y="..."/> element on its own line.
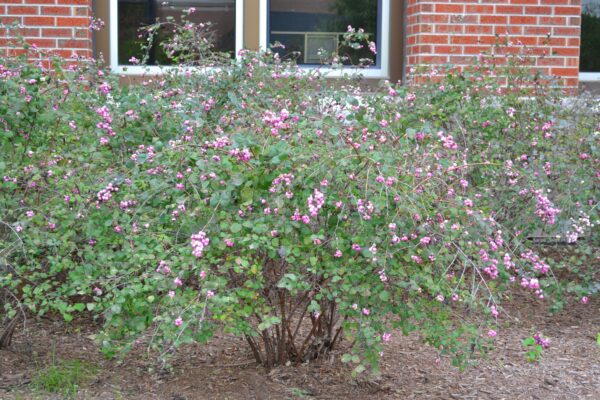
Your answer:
<point x="453" y="31"/>
<point x="437" y="31"/>
<point x="58" y="25"/>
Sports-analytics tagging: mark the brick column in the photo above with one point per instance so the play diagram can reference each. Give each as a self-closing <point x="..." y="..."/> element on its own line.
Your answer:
<point x="58" y="25"/>
<point x="454" y="31"/>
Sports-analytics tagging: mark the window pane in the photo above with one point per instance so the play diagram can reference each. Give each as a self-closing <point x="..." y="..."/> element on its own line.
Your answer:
<point x="309" y="25"/>
<point x="590" y="36"/>
<point x="134" y="14"/>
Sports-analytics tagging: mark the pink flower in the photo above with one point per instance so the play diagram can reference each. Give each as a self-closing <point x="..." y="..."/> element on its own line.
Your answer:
<point x="584" y="300"/>
<point x="382" y="276"/>
<point x="315" y="202"/>
<point x="541" y="340"/>
<point x="492" y="333"/>
<point x="494" y="311"/>
<point x="386" y="337"/>
<point x="416" y="259"/>
<point x="544" y="208"/>
<point x="366" y="311"/>
<point x="199" y="242"/>
<point x="178" y="321"/>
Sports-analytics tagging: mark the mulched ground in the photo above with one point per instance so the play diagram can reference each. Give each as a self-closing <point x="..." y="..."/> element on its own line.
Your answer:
<point x="570" y="369"/>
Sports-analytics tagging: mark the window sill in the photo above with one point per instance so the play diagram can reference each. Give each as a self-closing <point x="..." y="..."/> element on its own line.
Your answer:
<point x="371" y="73"/>
<point x="140" y="70"/>
<point x="589" y="76"/>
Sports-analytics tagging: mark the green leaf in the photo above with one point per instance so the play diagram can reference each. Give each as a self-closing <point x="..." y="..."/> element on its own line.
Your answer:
<point x="359" y="369"/>
<point x="235" y="227"/>
<point x="247" y="194"/>
<point x="384" y="295"/>
<point x="528" y="341"/>
<point x="268" y="322"/>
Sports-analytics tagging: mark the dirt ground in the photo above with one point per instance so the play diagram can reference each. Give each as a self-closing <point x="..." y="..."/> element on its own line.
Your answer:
<point x="224" y="369"/>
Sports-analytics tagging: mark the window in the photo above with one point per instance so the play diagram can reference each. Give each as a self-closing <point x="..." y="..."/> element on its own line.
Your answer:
<point x="225" y="15"/>
<point x="589" y="63"/>
<point x="307" y="28"/>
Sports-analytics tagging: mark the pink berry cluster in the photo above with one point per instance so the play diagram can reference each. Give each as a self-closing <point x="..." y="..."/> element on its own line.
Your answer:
<point x="315" y="202"/>
<point x="106" y="123"/>
<point x="105" y="194"/>
<point x="199" y="241"/>
<point x="544" y="208"/>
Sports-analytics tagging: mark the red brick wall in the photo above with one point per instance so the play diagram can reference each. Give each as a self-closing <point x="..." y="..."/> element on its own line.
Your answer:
<point x="454" y="31"/>
<point x="61" y="25"/>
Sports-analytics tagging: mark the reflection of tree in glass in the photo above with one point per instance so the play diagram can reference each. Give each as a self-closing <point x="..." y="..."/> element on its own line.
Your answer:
<point x="591" y="7"/>
<point x="313" y="31"/>
<point x="590" y="38"/>
<point x="131" y="16"/>
<point x="136" y="17"/>
<point x="359" y="14"/>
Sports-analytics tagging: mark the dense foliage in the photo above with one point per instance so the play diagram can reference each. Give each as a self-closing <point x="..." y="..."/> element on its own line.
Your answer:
<point x="265" y="201"/>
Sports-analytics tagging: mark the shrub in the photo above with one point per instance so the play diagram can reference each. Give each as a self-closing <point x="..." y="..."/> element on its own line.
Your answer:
<point x="263" y="201"/>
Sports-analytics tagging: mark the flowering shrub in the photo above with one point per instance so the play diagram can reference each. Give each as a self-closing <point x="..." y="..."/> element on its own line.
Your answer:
<point x="535" y="346"/>
<point x="260" y="200"/>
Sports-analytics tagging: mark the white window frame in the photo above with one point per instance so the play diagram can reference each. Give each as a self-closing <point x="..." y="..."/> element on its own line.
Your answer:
<point x="383" y="48"/>
<point x="589" y="76"/>
<point x="155" y="69"/>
